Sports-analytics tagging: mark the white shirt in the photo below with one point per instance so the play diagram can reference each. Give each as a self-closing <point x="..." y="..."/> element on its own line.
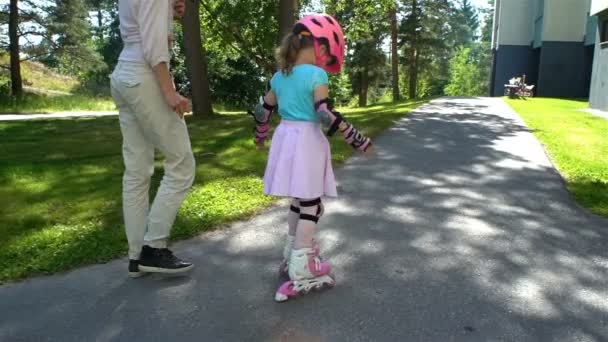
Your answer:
<point x="146" y="28"/>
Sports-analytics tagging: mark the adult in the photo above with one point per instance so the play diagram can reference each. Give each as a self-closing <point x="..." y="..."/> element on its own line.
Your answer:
<point x="151" y="114"/>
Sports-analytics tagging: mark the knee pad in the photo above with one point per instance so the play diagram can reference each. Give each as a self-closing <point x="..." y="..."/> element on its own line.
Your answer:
<point x="313" y="203"/>
<point x="295" y="206"/>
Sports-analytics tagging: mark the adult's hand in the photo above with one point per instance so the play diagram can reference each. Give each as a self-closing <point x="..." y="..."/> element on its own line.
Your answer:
<point x="179" y="103"/>
<point x="179" y="8"/>
<point x="175" y="101"/>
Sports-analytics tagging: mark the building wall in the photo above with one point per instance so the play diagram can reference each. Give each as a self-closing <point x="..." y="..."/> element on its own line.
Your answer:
<point x="510" y="61"/>
<point x="598" y="97"/>
<point x="545" y="40"/>
<point x="515" y="24"/>
<point x="511" y="46"/>
<point x="562" y="70"/>
<point x="565" y="20"/>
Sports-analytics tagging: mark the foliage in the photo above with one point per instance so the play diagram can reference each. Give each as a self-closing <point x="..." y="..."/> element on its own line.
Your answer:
<point x="340" y="89"/>
<point x="485" y="47"/>
<point x="465" y="23"/>
<point x="73" y="52"/>
<point x="426" y="34"/>
<point x="471" y="65"/>
<point x="576" y="143"/>
<point x="62" y="32"/>
<point x="82" y="38"/>
<point x="465" y="75"/>
<point x="365" y="24"/>
<point x="108" y="44"/>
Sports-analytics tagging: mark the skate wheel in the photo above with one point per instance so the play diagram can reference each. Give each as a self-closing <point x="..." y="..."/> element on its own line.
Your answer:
<point x="279" y="297"/>
<point x="285" y="292"/>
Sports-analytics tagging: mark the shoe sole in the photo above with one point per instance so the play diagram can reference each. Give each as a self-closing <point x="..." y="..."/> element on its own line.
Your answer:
<point x="151" y="269"/>
<point x="135" y="275"/>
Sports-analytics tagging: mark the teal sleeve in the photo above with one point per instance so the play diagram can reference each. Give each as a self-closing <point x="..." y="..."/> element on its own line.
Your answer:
<point x="319" y="78"/>
<point x="273" y="82"/>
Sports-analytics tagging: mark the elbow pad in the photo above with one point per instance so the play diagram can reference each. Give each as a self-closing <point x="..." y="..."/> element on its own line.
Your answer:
<point x="329" y="117"/>
<point x="332" y="119"/>
<point x="262" y="114"/>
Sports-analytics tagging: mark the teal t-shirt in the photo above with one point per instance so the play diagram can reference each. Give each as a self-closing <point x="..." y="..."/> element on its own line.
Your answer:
<point x="295" y="92"/>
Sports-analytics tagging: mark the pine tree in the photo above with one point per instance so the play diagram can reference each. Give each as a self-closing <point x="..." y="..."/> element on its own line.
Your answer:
<point x="13" y="28"/>
<point x="72" y="48"/>
<point x="426" y="45"/>
<point x="465" y="23"/>
<point x="365" y="30"/>
<point x="394" y="52"/>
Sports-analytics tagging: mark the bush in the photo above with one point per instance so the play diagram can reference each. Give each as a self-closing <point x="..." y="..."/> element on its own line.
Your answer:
<point x="465" y="75"/>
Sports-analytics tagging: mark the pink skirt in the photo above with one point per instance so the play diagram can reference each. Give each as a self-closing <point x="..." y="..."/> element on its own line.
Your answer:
<point x="299" y="163"/>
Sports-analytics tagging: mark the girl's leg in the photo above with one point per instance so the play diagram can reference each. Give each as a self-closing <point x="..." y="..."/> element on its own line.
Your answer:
<point x="310" y="211"/>
<point x="294" y="216"/>
<point x="292" y="221"/>
<point x="306" y="269"/>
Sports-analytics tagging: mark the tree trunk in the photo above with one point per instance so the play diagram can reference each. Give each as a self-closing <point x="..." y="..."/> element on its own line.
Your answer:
<point x="394" y="53"/>
<point x="196" y="60"/>
<point x="413" y="67"/>
<point x="13" y="27"/>
<point x="100" y="23"/>
<point x="288" y="11"/>
<point x="363" y="88"/>
<point x="414" y="74"/>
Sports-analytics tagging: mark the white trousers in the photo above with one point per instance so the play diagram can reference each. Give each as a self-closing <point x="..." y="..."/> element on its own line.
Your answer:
<point x="148" y="123"/>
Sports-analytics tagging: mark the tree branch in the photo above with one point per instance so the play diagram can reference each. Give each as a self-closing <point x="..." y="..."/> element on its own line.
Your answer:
<point x="268" y="67"/>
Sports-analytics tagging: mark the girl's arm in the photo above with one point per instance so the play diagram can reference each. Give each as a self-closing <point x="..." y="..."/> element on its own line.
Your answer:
<point x="263" y="111"/>
<point x="334" y="121"/>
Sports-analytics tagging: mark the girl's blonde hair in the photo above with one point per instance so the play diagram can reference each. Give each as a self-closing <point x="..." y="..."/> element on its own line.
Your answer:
<point x="292" y="44"/>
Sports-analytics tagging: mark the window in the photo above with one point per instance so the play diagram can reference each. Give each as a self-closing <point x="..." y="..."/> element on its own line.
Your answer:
<point x="604" y="32"/>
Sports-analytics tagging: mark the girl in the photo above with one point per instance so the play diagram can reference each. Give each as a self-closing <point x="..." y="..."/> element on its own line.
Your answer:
<point x="299" y="164"/>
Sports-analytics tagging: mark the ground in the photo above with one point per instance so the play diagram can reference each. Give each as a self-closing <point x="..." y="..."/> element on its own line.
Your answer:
<point x="60" y="185"/>
<point x="458" y="229"/>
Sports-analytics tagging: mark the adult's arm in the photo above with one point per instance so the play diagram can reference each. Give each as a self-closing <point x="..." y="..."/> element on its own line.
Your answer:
<point x="153" y="18"/>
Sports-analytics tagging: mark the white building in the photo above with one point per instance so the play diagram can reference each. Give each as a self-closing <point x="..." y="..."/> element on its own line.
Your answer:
<point x="552" y="42"/>
<point x="598" y="97"/>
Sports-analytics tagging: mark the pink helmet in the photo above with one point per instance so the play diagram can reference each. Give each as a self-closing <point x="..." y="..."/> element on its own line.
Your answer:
<point x="324" y="26"/>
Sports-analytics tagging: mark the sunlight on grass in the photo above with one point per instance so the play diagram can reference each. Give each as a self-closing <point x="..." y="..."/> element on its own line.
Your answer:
<point x="576" y="142"/>
<point x="37" y="75"/>
<point x="60" y="185"/>
<point x="32" y="104"/>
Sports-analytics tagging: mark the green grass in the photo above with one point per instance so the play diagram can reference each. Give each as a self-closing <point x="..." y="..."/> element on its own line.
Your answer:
<point x="32" y="104"/>
<point x="577" y="143"/>
<point x="60" y="185"/>
<point x="45" y="92"/>
<point x="38" y="76"/>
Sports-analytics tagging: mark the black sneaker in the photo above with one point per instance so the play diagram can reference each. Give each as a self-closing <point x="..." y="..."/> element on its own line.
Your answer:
<point x="162" y="260"/>
<point x="134" y="271"/>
